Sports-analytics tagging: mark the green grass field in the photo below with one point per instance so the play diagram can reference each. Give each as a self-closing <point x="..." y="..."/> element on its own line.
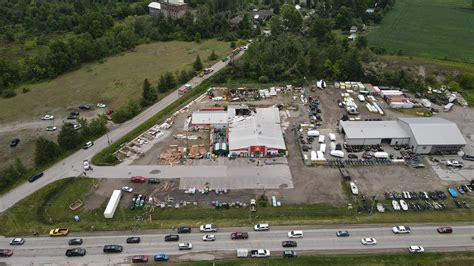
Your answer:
<point x="114" y="81"/>
<point x="442" y="29"/>
<point x="48" y="208"/>
<point x="448" y="258"/>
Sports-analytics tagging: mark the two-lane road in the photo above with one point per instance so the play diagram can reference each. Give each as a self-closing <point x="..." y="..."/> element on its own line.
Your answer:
<point x="72" y="165"/>
<point x="41" y="250"/>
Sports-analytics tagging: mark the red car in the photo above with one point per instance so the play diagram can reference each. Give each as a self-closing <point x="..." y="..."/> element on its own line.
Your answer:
<point x="6" y="252"/>
<point x="139" y="258"/>
<point x="138" y="179"/>
<point x="445" y="230"/>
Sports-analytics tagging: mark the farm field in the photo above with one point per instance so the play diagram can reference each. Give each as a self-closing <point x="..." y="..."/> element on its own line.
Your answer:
<point x="114" y="81"/>
<point x="441" y="29"/>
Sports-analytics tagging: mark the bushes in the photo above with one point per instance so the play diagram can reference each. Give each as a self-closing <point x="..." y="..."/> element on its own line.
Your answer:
<point x="11" y="174"/>
<point x="126" y="113"/>
<point x="46" y="151"/>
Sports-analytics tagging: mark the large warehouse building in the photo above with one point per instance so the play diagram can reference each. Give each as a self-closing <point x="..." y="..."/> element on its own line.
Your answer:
<point x="250" y="132"/>
<point x="423" y="135"/>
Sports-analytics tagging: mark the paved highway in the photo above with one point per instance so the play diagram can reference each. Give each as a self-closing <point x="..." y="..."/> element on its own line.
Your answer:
<point x="72" y="165"/>
<point x="41" y="250"/>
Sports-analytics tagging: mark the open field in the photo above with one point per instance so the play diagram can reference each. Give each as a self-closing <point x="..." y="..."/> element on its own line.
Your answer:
<point x="48" y="208"/>
<point x="442" y="29"/>
<point x="115" y="81"/>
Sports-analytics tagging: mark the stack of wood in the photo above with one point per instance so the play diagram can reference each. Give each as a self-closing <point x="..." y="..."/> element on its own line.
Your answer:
<point x="173" y="155"/>
<point x="197" y="151"/>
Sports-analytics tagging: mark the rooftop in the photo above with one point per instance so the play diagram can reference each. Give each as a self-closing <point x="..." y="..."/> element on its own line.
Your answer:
<point x="209" y="117"/>
<point x="374" y="129"/>
<point x="434" y="131"/>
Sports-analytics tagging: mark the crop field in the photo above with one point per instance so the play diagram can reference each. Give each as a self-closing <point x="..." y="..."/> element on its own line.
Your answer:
<point x="441" y="29"/>
<point x="113" y="80"/>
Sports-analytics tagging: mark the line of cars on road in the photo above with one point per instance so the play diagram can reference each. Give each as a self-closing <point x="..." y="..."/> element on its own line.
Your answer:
<point x="211" y="228"/>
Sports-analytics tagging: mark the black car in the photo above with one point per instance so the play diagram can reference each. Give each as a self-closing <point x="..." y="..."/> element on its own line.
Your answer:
<point x="153" y="181"/>
<point x="133" y="240"/>
<point x="184" y="230"/>
<point x="113" y="249"/>
<point x="468" y="157"/>
<point x="289" y="244"/>
<point x="14" y="142"/>
<point x="75" y="242"/>
<point x="352" y="156"/>
<point x="169" y="238"/>
<point x="75" y="113"/>
<point x="34" y="177"/>
<point x="85" y="107"/>
<point x="72" y="117"/>
<point x="76" y="252"/>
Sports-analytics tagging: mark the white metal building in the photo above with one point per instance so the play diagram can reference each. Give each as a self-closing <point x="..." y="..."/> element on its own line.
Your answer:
<point x="423" y="135"/>
<point x="216" y="119"/>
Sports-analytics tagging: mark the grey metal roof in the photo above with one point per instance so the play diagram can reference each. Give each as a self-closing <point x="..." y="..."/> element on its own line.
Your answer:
<point x="209" y="117"/>
<point x="374" y="130"/>
<point x="434" y="131"/>
<point x="261" y="129"/>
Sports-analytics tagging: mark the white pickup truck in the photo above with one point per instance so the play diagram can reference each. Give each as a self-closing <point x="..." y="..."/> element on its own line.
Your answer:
<point x="260" y="253"/>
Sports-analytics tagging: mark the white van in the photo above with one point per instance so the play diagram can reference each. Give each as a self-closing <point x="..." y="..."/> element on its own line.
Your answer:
<point x="295" y="234"/>
<point x="321" y="139"/>
<point x="261" y="227"/>
<point x="332" y="136"/>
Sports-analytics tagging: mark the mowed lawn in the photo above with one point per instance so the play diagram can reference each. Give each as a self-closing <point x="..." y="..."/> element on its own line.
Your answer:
<point x="442" y="29"/>
<point x="113" y="81"/>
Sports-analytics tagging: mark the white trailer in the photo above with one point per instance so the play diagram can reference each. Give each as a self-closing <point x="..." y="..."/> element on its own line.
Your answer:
<point x="381" y="155"/>
<point x="113" y="203"/>
<point x="321" y="155"/>
<point x="314" y="156"/>
<point x="448" y="107"/>
<point x="321" y="139"/>
<point x="313" y="133"/>
<point x="322" y="148"/>
<point x="332" y="136"/>
<point x="336" y="153"/>
<point x="242" y="253"/>
<point x="332" y="146"/>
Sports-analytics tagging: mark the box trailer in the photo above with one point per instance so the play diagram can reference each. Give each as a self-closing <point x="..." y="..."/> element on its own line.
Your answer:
<point x="242" y="253"/>
<point x="313" y="133"/>
<point x="381" y="155"/>
<point x="336" y="153"/>
<point x="322" y="148"/>
<point x="332" y="136"/>
<point x="113" y="203"/>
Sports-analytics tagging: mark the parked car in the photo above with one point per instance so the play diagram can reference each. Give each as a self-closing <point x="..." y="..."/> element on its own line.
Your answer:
<point x="86" y="165"/>
<point x="51" y="128"/>
<point x="140" y="259"/>
<point x="205" y="228"/>
<point x="74" y="113"/>
<point x="209" y="238"/>
<point x="71" y="117"/>
<point x="454" y="163"/>
<point x="88" y="145"/>
<point x="289" y="254"/>
<point x="153" y="181"/>
<point x="127" y="189"/>
<point x="239" y="235"/>
<point x="14" y="142"/>
<point x="344" y="233"/>
<point x="261" y="227"/>
<point x="445" y="230"/>
<point x="401" y="229"/>
<point x="295" y="234"/>
<point x="101" y="105"/>
<point x="184" y="230"/>
<point x="76" y="252"/>
<point x="468" y="157"/>
<point x="161" y="257"/>
<point x="6" y="252"/>
<point x="84" y="107"/>
<point x="47" y="117"/>
<point x="18" y="241"/>
<point x="416" y="249"/>
<point x="368" y="241"/>
<point x="75" y="242"/>
<point x="137" y="179"/>
<point x="133" y="240"/>
<point x="289" y="244"/>
<point x="76" y="126"/>
<point x="171" y="238"/>
<point x="34" y="177"/>
<point x="185" y="246"/>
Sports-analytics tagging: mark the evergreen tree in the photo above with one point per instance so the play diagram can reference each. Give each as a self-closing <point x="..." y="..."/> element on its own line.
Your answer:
<point x="149" y="95"/>
<point x="162" y="85"/>
<point x="170" y="80"/>
<point x="197" y="37"/>
<point x="213" y="56"/>
<point x="197" y="65"/>
<point x="46" y="151"/>
<point x="69" y="138"/>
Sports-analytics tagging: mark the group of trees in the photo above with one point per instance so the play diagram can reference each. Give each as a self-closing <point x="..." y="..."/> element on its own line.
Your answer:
<point x="68" y="139"/>
<point x="11" y="174"/>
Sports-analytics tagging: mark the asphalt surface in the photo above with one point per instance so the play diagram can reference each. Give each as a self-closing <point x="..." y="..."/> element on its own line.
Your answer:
<point x="41" y="250"/>
<point x="72" y="165"/>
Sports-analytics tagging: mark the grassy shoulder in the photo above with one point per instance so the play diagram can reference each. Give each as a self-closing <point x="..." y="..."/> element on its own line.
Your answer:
<point x="445" y="258"/>
<point x="49" y="208"/>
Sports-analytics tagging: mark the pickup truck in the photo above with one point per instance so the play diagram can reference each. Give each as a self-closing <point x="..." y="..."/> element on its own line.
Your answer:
<point x="239" y="235"/>
<point x="260" y="253"/>
<point x="59" y="232"/>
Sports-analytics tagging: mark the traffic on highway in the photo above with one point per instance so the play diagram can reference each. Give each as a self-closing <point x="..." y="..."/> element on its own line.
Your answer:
<point x="259" y="241"/>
